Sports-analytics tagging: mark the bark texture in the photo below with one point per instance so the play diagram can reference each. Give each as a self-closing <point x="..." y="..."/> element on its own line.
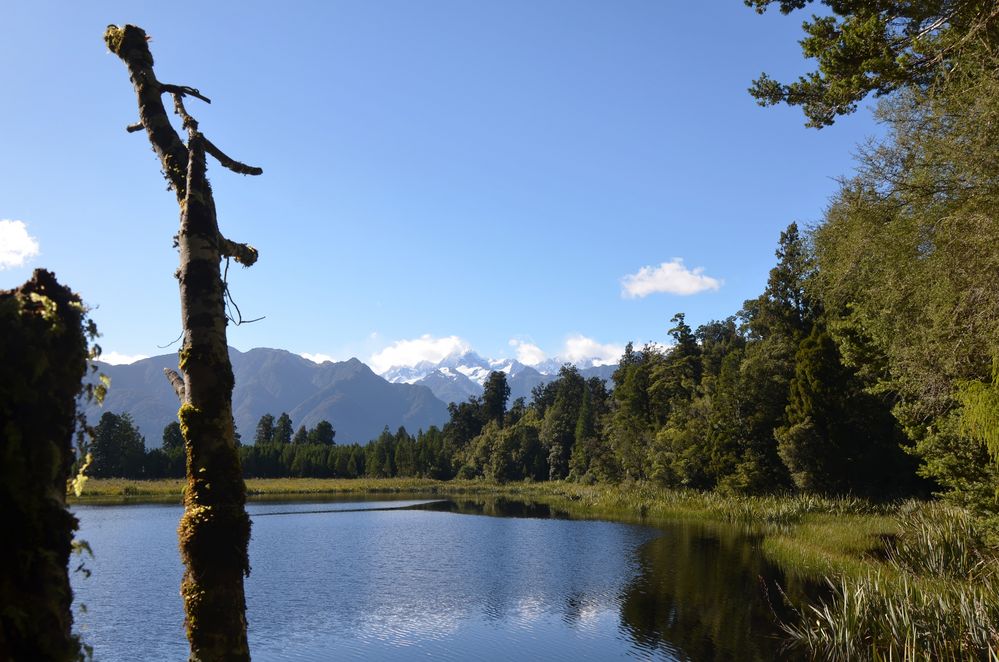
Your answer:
<point x="43" y="359"/>
<point x="214" y="531"/>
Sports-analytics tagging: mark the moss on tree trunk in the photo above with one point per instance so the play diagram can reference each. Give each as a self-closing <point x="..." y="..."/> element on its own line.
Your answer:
<point x="43" y="358"/>
<point x="214" y="531"/>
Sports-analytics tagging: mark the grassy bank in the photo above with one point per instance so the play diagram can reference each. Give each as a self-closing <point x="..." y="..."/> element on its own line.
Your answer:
<point x="909" y="580"/>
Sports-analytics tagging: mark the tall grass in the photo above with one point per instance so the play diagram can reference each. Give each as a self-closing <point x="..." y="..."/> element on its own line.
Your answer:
<point x="939" y="541"/>
<point x="936" y="598"/>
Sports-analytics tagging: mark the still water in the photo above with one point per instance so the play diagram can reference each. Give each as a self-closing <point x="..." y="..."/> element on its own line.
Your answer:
<point x="405" y="580"/>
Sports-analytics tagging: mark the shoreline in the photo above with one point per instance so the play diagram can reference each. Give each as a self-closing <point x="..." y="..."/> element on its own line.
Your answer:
<point x="808" y="537"/>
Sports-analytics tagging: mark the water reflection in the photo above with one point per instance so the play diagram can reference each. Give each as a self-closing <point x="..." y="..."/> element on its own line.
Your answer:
<point x="385" y="583"/>
<point x="426" y="580"/>
<point x="701" y="594"/>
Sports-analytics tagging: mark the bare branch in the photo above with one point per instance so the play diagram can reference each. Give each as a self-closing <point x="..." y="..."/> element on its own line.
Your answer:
<point x="242" y="253"/>
<point x="183" y="90"/>
<point x="190" y="123"/>
<point x="129" y="43"/>
<point x="132" y="128"/>
<point x="177" y="382"/>
<point x="229" y="162"/>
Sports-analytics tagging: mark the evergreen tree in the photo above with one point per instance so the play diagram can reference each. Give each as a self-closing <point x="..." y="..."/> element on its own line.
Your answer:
<point x="174" y="456"/>
<point x="301" y="436"/>
<point x="878" y="46"/>
<point x="118" y="449"/>
<point x="496" y="391"/>
<point x="630" y="426"/>
<point x="404" y="456"/>
<point x="322" y="434"/>
<point x="558" y="428"/>
<point x="265" y="430"/>
<point x="283" y="430"/>
<point x="838" y="438"/>
<point x="465" y="423"/>
<point x="775" y="322"/>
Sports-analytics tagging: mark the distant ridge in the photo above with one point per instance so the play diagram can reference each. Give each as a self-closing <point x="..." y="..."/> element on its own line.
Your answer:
<point x="458" y="376"/>
<point x="349" y="394"/>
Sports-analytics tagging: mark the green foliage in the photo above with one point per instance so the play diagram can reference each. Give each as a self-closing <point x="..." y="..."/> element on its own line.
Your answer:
<point x="918" y="221"/>
<point x="323" y="433"/>
<point x="265" y="430"/>
<point x="173" y="440"/>
<point x="961" y="467"/>
<point x="495" y="393"/>
<point x="118" y="449"/>
<point x="558" y="428"/>
<point x="838" y="438"/>
<point x="466" y="421"/>
<point x="283" y="430"/>
<point x="878" y="46"/>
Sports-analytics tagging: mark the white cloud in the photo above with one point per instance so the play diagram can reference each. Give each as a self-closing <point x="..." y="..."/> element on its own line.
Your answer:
<point x="16" y="245"/>
<point x="671" y="277"/>
<point x="413" y="351"/>
<point x="117" y="358"/>
<point x="528" y="353"/>
<point x="580" y="349"/>
<point x="317" y="358"/>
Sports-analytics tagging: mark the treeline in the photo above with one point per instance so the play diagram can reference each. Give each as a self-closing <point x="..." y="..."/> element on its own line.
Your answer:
<point x="759" y="402"/>
<point x="118" y="450"/>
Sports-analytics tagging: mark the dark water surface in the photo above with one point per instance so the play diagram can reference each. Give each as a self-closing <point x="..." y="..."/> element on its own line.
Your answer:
<point x="471" y="580"/>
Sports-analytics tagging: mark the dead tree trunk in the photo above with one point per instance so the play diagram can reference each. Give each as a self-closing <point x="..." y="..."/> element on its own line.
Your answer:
<point x="215" y="530"/>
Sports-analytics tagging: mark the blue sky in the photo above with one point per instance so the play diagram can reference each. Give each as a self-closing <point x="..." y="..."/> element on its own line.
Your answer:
<point x="437" y="175"/>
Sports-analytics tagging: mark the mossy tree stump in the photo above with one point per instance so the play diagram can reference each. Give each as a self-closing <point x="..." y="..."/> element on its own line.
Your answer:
<point x="214" y="531"/>
<point x="43" y="358"/>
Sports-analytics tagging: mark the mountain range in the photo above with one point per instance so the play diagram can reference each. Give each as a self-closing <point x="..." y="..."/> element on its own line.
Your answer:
<point x="349" y="394"/>
<point x="461" y="375"/>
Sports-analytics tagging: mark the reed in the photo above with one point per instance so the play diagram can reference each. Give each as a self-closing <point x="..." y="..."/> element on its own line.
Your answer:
<point x="935" y="597"/>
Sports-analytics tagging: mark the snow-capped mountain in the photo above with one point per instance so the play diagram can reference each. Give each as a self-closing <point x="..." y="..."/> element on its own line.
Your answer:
<point x="469" y="365"/>
<point x="461" y="375"/>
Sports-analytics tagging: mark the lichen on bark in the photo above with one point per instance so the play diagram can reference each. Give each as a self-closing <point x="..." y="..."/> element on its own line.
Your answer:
<point x="43" y="359"/>
<point x="214" y="531"/>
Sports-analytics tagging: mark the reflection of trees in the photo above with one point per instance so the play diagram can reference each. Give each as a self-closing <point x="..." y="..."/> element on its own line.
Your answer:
<point x="702" y="596"/>
<point x="494" y="506"/>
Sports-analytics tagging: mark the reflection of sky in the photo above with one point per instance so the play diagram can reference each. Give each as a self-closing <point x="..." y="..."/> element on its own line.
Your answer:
<point x="383" y="584"/>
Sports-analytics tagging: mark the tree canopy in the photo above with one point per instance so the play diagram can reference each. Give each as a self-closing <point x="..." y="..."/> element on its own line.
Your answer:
<point x="876" y="46"/>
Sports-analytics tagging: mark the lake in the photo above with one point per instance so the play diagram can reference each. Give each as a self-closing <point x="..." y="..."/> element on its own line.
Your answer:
<point x="485" y="579"/>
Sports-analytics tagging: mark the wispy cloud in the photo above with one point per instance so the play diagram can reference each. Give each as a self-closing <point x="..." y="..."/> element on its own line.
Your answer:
<point x="415" y="350"/>
<point x="528" y="353"/>
<point x="16" y="245"/>
<point x="117" y="358"/>
<point x="670" y="277"/>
